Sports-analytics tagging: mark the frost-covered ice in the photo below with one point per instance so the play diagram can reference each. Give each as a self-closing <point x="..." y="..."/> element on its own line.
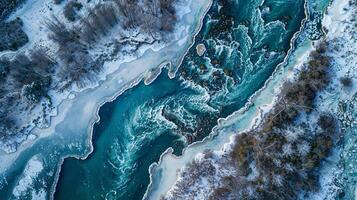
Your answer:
<point x="26" y="183"/>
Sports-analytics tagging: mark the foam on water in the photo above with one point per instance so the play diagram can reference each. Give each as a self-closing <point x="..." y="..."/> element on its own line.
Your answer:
<point x="164" y="174"/>
<point x="70" y="131"/>
<point x="243" y="49"/>
<point x="187" y="110"/>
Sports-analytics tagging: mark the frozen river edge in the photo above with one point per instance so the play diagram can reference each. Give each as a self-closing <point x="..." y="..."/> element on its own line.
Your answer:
<point x="77" y="114"/>
<point x="166" y="171"/>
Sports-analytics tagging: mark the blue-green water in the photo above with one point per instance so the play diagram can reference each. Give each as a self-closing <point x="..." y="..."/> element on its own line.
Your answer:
<point x="128" y="139"/>
<point x="245" y="41"/>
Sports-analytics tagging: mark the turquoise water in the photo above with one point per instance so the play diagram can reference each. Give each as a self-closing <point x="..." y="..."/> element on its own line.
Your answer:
<point x="127" y="140"/>
<point x="245" y="41"/>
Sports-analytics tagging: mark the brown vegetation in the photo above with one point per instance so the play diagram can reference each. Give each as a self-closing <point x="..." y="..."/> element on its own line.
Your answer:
<point x="281" y="158"/>
<point x="286" y="153"/>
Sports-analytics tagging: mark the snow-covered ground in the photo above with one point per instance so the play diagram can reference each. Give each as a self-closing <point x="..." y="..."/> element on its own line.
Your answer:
<point x="35" y="14"/>
<point x="75" y="111"/>
<point x="164" y="174"/>
<point x="341" y="25"/>
<point x="168" y="172"/>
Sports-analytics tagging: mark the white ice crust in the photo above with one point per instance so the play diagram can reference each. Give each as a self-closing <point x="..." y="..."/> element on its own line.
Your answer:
<point x="77" y="110"/>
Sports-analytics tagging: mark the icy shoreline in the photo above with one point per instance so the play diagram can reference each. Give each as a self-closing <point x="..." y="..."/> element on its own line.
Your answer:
<point x="169" y="165"/>
<point x="182" y="37"/>
<point x="78" y="113"/>
<point x="35" y="15"/>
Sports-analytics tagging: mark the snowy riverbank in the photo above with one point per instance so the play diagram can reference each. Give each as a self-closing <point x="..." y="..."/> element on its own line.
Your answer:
<point x="165" y="174"/>
<point x="71" y="125"/>
<point x="36" y="14"/>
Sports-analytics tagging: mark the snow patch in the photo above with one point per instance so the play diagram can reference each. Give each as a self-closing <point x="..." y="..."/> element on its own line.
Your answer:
<point x="28" y="178"/>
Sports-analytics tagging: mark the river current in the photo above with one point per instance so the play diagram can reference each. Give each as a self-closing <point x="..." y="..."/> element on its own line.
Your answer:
<point x="245" y="41"/>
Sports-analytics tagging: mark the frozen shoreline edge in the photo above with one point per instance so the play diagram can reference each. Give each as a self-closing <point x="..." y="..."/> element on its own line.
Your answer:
<point x="248" y="104"/>
<point x="96" y="118"/>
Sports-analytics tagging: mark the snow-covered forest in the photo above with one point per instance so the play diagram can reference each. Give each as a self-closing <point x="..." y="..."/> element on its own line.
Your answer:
<point x="79" y="39"/>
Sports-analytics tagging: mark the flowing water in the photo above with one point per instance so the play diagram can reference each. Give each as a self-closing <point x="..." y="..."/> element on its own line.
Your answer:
<point x="245" y="41"/>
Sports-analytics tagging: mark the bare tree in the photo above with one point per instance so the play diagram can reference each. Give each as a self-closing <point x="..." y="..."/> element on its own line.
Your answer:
<point x="42" y="62"/>
<point x="59" y="32"/>
<point x="70" y="10"/>
<point x="109" y="14"/>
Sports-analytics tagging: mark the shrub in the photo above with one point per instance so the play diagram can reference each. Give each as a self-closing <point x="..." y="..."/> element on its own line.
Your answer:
<point x="346" y="81"/>
<point x="69" y="11"/>
<point x="25" y="79"/>
<point x="101" y="19"/>
<point x="59" y="32"/>
<point x="77" y="66"/>
<point x="12" y="37"/>
<point x="280" y="158"/>
<point x="57" y="1"/>
<point x="155" y="16"/>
